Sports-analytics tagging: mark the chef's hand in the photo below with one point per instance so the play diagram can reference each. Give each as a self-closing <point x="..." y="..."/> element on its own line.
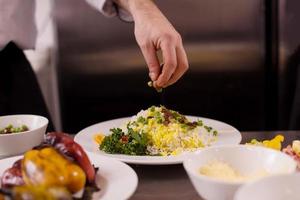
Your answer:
<point x="154" y="32"/>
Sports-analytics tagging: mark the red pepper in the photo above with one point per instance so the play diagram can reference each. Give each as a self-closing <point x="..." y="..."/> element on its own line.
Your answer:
<point x="67" y="146"/>
<point x="124" y="139"/>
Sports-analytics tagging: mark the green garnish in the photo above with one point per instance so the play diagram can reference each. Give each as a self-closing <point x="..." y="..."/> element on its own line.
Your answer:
<point x="158" y="116"/>
<point x="215" y="133"/>
<point x="118" y="142"/>
<point x="11" y="129"/>
<point x="152" y="108"/>
<point x="200" y="123"/>
<point x="159" y="90"/>
<point x="142" y="120"/>
<point x="208" y="128"/>
<point x="150" y="84"/>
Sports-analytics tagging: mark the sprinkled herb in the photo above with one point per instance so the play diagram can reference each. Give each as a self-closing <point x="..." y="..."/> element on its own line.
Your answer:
<point x="159" y="90"/>
<point x="208" y="128"/>
<point x="152" y="108"/>
<point x="215" y="133"/>
<point x="142" y="120"/>
<point x="200" y="123"/>
<point x="150" y="84"/>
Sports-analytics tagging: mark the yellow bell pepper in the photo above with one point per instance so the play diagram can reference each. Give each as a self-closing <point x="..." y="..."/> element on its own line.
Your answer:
<point x="98" y="138"/>
<point x="274" y="143"/>
<point x="47" y="167"/>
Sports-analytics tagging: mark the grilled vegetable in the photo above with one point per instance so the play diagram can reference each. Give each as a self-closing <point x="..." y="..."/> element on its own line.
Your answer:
<point x="48" y="168"/>
<point x="66" y="146"/>
<point x="58" y="162"/>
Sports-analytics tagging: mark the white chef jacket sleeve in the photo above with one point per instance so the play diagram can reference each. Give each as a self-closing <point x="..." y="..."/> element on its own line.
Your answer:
<point x="109" y="9"/>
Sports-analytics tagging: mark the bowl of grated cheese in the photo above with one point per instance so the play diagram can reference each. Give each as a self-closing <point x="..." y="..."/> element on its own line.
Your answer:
<point x="217" y="172"/>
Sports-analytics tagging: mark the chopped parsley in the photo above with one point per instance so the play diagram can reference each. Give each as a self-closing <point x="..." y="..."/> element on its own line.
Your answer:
<point x="200" y="123"/>
<point x="118" y="142"/>
<point x="208" y="128"/>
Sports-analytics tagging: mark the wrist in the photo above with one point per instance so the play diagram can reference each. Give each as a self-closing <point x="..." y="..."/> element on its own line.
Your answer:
<point x="136" y="7"/>
<point x="123" y="4"/>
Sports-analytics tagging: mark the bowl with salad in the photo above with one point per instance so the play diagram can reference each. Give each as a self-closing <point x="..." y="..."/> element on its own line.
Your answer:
<point x="19" y="133"/>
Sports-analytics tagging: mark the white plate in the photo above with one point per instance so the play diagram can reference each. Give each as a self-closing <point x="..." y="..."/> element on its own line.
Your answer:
<point x="227" y="135"/>
<point x="115" y="179"/>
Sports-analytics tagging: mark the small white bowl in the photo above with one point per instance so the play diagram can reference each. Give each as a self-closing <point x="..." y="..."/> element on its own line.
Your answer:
<point x="18" y="143"/>
<point x="279" y="187"/>
<point x="245" y="159"/>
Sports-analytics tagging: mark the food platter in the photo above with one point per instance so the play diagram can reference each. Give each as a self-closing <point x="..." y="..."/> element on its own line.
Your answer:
<point x="227" y="134"/>
<point x="112" y="174"/>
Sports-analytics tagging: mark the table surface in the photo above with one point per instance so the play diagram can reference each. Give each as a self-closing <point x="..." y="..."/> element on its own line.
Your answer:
<point x="171" y="181"/>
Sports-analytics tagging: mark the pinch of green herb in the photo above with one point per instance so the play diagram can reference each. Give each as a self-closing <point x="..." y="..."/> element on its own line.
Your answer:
<point x="160" y="120"/>
<point x="184" y="126"/>
<point x="150" y="84"/>
<point x="159" y="90"/>
<point x="215" y="133"/>
<point x="142" y="120"/>
<point x="200" y="123"/>
<point x="208" y="128"/>
<point x="152" y="109"/>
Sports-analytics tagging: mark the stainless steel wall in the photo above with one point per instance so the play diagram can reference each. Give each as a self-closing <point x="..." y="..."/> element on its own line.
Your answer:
<point x="103" y="74"/>
<point x="289" y="63"/>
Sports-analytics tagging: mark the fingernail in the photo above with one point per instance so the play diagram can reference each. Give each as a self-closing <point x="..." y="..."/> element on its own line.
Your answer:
<point x="152" y="76"/>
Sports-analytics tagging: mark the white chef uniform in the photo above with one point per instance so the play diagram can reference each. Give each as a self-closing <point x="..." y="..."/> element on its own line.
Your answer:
<point x="30" y="25"/>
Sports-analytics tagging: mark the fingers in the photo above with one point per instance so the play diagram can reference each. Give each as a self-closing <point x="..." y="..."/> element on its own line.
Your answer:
<point x="170" y="64"/>
<point x="182" y="65"/>
<point x="174" y="59"/>
<point x="149" y="53"/>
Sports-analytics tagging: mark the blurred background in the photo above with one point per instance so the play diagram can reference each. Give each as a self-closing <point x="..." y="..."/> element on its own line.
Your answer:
<point x="243" y="57"/>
